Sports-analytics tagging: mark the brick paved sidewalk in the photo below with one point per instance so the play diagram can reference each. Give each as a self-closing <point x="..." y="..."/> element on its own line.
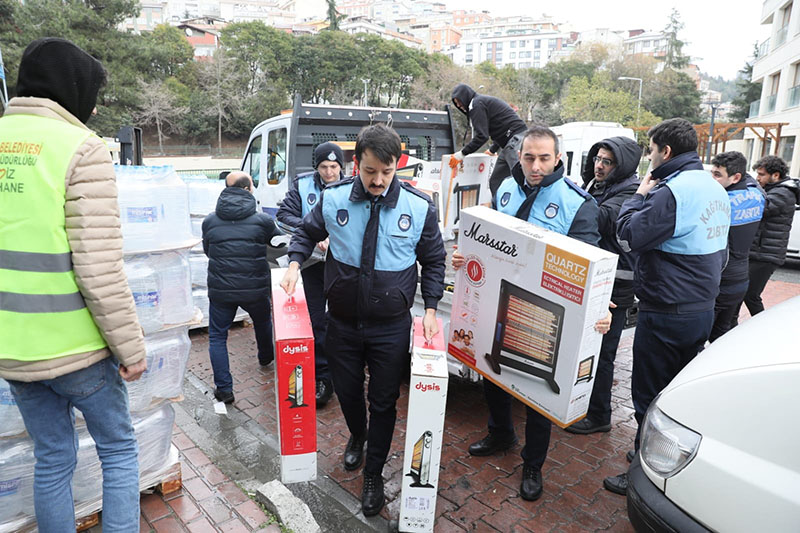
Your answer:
<point x="476" y="494"/>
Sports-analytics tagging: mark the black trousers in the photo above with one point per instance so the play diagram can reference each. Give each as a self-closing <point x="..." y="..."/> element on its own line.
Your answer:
<point x="383" y="347"/>
<point x="726" y="313"/>
<point x="314" y="287"/>
<point x="600" y="402"/>
<point x="760" y="272"/>
<point x="537" y="426"/>
<point x="507" y="157"/>
<point x="663" y="344"/>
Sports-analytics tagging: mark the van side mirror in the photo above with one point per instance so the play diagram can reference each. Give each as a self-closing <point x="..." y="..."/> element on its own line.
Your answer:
<point x="224" y="174"/>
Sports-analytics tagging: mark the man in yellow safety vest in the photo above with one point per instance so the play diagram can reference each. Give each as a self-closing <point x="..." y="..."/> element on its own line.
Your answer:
<point x="67" y="318"/>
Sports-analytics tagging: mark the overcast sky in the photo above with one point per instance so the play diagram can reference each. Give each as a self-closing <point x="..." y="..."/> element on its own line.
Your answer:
<point x="720" y="34"/>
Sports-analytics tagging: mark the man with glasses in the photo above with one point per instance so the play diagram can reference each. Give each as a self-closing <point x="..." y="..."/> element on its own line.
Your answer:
<point x="611" y="180"/>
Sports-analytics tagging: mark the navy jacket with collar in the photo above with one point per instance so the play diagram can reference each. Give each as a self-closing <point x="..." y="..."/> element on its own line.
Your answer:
<point x="556" y="204"/>
<point x="747" y="208"/>
<point x="375" y="245"/>
<point x="680" y="231"/>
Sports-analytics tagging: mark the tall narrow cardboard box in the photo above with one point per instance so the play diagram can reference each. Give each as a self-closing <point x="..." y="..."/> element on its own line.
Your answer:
<point x="295" y="384"/>
<point x="427" y="399"/>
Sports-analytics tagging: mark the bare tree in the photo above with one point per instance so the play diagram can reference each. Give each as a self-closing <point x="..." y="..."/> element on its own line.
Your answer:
<point x="159" y="107"/>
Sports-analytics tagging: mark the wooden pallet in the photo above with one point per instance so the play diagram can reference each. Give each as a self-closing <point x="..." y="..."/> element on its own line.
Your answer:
<point x="165" y="481"/>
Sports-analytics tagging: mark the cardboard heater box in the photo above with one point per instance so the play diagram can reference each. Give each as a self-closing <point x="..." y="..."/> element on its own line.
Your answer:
<point x="295" y="384"/>
<point x="524" y="309"/>
<point x="424" y="431"/>
<point x="463" y="187"/>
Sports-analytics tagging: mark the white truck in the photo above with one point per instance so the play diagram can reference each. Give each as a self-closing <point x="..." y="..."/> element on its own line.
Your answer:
<point x="576" y="138"/>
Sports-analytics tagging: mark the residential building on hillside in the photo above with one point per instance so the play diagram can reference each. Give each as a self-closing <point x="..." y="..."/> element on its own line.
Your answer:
<point x="469" y="18"/>
<point x="534" y="49"/>
<point x="270" y="12"/>
<point x="777" y="68"/>
<point x="364" y="25"/>
<point x="646" y="43"/>
<point x="499" y="27"/>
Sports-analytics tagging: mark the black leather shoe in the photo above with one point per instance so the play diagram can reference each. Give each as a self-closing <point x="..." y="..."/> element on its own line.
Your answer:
<point x="265" y="361"/>
<point x="224" y="396"/>
<point x="324" y="391"/>
<point x="587" y="427"/>
<point x="354" y="453"/>
<point x="491" y="444"/>
<point x="531" y="487"/>
<point x="630" y="455"/>
<point x="617" y="484"/>
<point x="372" y="498"/>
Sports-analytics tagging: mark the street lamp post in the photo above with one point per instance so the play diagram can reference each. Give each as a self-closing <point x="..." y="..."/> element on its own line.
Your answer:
<point x="639" y="105"/>
<point x="714" y="106"/>
<point x="365" y="90"/>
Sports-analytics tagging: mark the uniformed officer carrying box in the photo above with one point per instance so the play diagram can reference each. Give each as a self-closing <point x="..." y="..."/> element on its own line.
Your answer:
<point x="524" y="309"/>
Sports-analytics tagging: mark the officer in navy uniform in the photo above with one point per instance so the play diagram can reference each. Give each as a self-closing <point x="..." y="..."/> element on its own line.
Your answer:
<point x="537" y="192"/>
<point x="379" y="229"/>
<point x="299" y="200"/>
<point x="747" y="208"/>
<point x="677" y="223"/>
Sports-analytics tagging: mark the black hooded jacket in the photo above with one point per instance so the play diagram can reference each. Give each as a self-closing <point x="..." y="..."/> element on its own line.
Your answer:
<point x="59" y="70"/>
<point x="235" y="240"/>
<point x="490" y="117"/>
<point x="772" y="238"/>
<point x="610" y="194"/>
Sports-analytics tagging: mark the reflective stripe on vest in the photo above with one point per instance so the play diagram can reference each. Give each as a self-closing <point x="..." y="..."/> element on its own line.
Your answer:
<point x="702" y="214"/>
<point x="42" y="312"/>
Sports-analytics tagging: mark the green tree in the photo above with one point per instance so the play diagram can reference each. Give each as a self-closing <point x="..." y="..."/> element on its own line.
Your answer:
<point x="673" y="94"/>
<point x="167" y="51"/>
<point x="674" y="58"/>
<point x="263" y="52"/>
<point x="592" y="100"/>
<point x="334" y="17"/>
<point x="748" y="91"/>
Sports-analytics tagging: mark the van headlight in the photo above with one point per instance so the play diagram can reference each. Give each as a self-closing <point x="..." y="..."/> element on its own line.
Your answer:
<point x="667" y="446"/>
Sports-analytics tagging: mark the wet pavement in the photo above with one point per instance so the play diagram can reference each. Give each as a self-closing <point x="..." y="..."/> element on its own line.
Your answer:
<point x="225" y="457"/>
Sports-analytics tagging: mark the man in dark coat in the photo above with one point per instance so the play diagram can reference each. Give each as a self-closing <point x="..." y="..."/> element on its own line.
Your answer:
<point x="611" y="180"/>
<point x="492" y="118"/>
<point x="768" y="251"/>
<point x="235" y="239"/>
<point x="747" y="208"/>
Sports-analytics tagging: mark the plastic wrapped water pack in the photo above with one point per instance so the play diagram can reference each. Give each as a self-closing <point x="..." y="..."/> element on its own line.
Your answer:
<point x="10" y="418"/>
<point x="154" y="208"/>
<point x="161" y="284"/>
<point x="16" y="483"/>
<point x="199" y="267"/>
<point x="167" y="356"/>
<point x="200" y="298"/>
<point x="203" y="194"/>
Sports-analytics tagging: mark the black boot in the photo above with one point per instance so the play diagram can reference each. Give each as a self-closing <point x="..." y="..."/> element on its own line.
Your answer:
<point x="372" y="498"/>
<point x="224" y="396"/>
<point x="354" y="452"/>
<point x="491" y="444"/>
<point x="617" y="484"/>
<point x="531" y="487"/>
<point x="324" y="391"/>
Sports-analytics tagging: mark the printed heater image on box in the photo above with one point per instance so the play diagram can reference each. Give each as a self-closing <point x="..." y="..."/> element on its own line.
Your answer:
<point x="295" y="395"/>
<point x="585" y="370"/>
<point x="527" y="334"/>
<point x="420" y="469"/>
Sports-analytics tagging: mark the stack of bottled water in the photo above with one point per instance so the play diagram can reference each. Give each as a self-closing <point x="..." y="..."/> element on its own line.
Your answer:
<point x="167" y="356"/>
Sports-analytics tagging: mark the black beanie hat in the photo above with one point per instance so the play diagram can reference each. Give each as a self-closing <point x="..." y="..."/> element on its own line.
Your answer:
<point x="328" y="152"/>
<point x="59" y="70"/>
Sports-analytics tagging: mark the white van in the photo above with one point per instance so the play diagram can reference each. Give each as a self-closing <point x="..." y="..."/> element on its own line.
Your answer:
<point x="720" y="448"/>
<point x="576" y="138"/>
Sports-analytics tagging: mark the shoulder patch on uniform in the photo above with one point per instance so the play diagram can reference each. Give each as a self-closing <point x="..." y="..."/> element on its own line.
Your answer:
<point x="312" y="199"/>
<point x="342" y="217"/>
<point x="505" y="198"/>
<point x="574" y="186"/>
<point x="551" y="210"/>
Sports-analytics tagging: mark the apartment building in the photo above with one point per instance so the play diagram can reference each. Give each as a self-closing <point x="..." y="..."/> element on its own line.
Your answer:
<point x="777" y="68"/>
<point x="524" y="50"/>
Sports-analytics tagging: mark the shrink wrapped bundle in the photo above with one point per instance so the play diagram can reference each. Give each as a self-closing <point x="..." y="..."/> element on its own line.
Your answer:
<point x="10" y="418"/>
<point x="167" y="356"/>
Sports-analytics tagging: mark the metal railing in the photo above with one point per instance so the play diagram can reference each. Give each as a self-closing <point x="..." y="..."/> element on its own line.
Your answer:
<point x="780" y="37"/>
<point x="771" y="101"/>
<point x="754" y="107"/>
<point x="763" y="49"/>
<point x="794" y="96"/>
